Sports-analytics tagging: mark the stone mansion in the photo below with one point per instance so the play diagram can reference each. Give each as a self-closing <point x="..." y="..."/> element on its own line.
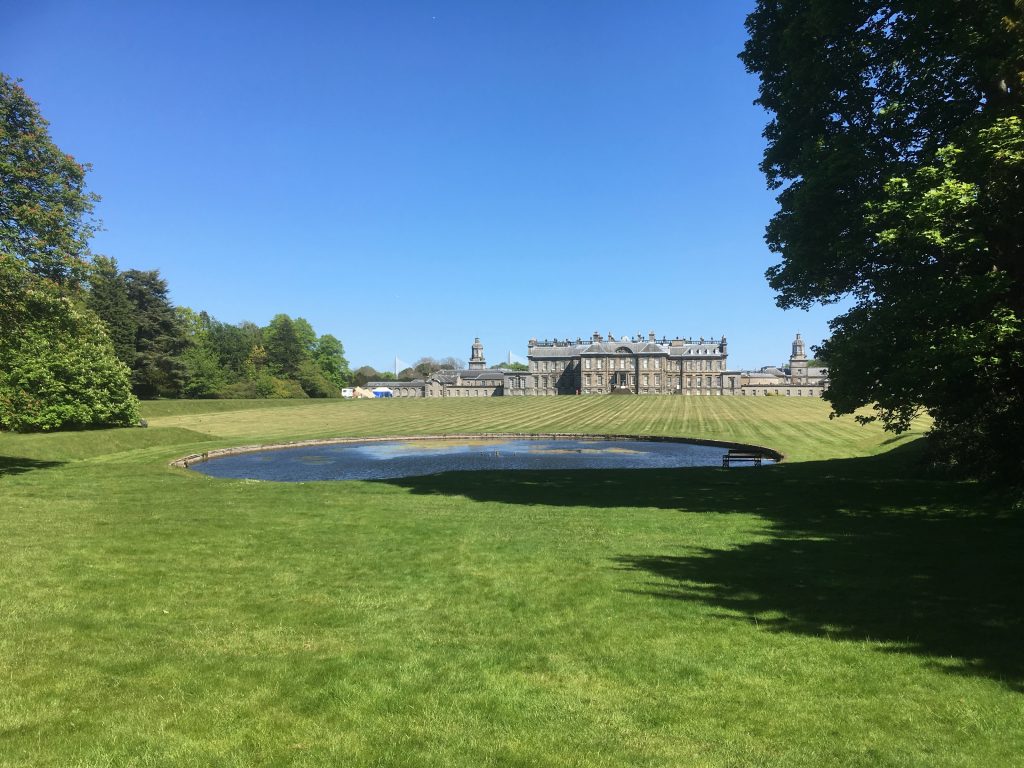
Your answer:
<point x="606" y="365"/>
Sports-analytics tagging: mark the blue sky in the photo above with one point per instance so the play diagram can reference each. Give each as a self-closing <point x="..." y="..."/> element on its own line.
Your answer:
<point x="409" y="175"/>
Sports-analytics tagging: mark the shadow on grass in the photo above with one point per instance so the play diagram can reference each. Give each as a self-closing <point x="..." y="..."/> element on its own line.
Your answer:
<point x="11" y="465"/>
<point x="858" y="549"/>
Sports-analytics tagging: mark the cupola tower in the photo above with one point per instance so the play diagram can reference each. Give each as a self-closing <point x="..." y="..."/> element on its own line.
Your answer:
<point x="798" y="362"/>
<point x="476" y="356"/>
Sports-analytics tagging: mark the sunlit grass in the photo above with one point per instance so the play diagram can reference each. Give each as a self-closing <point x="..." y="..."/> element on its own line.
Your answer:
<point x="840" y="609"/>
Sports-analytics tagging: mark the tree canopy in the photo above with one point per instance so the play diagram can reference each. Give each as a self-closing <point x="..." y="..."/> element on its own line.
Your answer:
<point x="58" y="368"/>
<point x="108" y="297"/>
<point x="45" y="209"/>
<point x="897" y="145"/>
<point x="159" y="336"/>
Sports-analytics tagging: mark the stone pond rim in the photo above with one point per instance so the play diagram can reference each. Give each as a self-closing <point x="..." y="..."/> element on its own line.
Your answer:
<point x="197" y="458"/>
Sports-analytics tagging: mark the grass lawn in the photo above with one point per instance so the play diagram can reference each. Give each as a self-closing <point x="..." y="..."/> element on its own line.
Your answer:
<point x="843" y="608"/>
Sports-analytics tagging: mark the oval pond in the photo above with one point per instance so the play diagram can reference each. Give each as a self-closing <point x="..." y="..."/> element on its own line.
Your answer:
<point x="409" y="458"/>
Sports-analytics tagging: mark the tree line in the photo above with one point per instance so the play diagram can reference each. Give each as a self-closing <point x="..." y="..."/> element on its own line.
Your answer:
<point x="178" y="352"/>
<point x="81" y="341"/>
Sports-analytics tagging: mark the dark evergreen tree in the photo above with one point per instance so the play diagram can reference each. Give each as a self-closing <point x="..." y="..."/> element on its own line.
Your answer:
<point x="159" y="337"/>
<point x="108" y="298"/>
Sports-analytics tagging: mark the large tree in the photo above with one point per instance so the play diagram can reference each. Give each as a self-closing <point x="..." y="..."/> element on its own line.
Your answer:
<point x="159" y="336"/>
<point x="286" y="344"/>
<point x="108" y="298"/>
<point x="57" y="366"/>
<point x="897" y="144"/>
<point x="45" y="210"/>
<point x="234" y="344"/>
<point x="329" y="354"/>
<point x="203" y="375"/>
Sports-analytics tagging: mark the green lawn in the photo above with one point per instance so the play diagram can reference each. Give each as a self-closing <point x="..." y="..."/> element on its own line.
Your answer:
<point x="843" y="608"/>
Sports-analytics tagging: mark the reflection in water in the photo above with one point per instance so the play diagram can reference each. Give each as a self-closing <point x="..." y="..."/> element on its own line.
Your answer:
<point x="399" y="458"/>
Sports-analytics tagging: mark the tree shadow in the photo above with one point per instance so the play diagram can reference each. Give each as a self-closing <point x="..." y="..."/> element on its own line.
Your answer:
<point x="867" y="549"/>
<point x="13" y="465"/>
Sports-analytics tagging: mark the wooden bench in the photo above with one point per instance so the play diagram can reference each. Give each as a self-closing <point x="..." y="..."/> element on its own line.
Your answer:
<point x="742" y="456"/>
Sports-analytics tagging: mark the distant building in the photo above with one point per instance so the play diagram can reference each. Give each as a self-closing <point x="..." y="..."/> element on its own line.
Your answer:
<point x="798" y="380"/>
<point x="474" y="381"/>
<point x="606" y="365"/>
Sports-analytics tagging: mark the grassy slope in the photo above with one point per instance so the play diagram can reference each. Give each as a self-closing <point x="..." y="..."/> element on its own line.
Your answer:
<point x="835" y="610"/>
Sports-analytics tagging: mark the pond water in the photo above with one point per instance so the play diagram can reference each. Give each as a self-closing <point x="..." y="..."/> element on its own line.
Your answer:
<point x="401" y="458"/>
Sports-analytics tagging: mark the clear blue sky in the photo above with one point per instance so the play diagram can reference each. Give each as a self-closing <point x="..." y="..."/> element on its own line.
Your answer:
<point x="409" y="175"/>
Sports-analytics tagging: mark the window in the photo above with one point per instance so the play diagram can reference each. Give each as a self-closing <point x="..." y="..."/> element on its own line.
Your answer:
<point x="586" y="379"/>
<point x="588" y="363"/>
<point x="645" y="364"/>
<point x="657" y="379"/>
<point x="600" y="362"/>
<point x="657" y="363"/>
<point x="646" y="382"/>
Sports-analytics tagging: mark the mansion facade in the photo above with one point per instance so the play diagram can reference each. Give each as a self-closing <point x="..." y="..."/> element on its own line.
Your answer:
<point x="606" y="365"/>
